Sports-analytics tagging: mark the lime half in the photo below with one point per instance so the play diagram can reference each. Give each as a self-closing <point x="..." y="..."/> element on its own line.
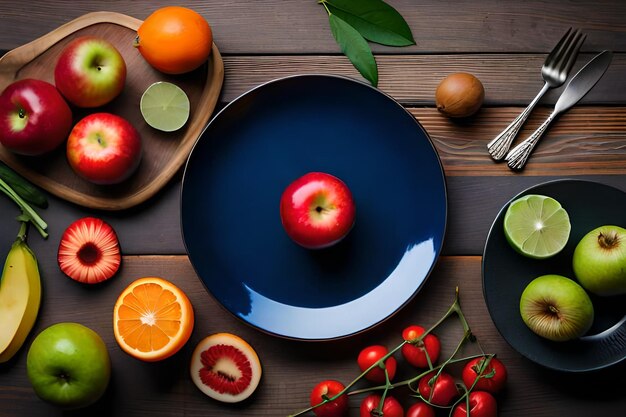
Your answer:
<point x="165" y="106"/>
<point x="537" y="226"/>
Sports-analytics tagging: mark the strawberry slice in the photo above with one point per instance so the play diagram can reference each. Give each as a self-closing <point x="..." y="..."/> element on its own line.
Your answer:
<point x="89" y="251"/>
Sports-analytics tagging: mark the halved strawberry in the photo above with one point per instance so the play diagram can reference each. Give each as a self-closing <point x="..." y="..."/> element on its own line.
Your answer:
<point x="89" y="251"/>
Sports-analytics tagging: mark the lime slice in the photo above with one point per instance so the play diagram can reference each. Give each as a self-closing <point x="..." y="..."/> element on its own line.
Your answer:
<point x="165" y="106"/>
<point x="537" y="226"/>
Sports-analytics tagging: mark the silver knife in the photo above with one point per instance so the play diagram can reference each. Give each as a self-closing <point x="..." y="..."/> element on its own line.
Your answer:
<point x="579" y="85"/>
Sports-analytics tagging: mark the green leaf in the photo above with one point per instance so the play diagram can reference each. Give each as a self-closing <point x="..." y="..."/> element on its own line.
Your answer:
<point x="375" y="20"/>
<point x="355" y="47"/>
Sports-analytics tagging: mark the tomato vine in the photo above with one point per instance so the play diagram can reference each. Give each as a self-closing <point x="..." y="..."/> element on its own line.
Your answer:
<point x="432" y="372"/>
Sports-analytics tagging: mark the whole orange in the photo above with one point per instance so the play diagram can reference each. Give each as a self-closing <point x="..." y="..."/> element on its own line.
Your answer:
<point x="174" y="40"/>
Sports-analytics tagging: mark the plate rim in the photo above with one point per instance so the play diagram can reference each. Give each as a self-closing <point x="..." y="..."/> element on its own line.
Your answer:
<point x="439" y="249"/>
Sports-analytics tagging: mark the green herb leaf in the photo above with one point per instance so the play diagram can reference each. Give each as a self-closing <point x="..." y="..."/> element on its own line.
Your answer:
<point x="375" y="20"/>
<point x="355" y="47"/>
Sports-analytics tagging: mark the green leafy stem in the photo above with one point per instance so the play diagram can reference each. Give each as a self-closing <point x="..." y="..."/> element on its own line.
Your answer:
<point x="354" y="23"/>
<point x="28" y="215"/>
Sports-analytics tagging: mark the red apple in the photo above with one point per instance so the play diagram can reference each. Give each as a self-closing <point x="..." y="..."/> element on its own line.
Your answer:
<point x="104" y="148"/>
<point x="34" y="117"/>
<point x="90" y="72"/>
<point x="317" y="210"/>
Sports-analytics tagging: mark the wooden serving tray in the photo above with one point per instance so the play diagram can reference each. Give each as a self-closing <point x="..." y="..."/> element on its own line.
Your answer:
<point x="163" y="153"/>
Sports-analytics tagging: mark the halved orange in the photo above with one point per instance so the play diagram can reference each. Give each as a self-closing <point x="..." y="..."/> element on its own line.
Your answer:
<point x="152" y="319"/>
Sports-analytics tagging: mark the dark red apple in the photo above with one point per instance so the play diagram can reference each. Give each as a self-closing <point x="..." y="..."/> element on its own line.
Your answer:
<point x="34" y="117"/>
<point x="90" y="72"/>
<point x="317" y="210"/>
<point x="104" y="148"/>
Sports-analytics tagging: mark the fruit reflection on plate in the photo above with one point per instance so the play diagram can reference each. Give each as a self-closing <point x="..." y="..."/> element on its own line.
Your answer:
<point x="506" y="273"/>
<point x="248" y="155"/>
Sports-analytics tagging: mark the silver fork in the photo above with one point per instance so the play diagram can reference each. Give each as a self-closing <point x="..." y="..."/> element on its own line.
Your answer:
<point x="554" y="72"/>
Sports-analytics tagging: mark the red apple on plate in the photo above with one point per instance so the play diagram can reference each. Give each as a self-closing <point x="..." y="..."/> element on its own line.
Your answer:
<point x="90" y="72"/>
<point x="34" y="117"/>
<point x="104" y="148"/>
<point x="317" y="210"/>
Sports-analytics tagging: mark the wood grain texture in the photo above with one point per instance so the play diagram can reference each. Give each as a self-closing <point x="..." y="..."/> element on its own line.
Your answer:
<point x="504" y="42"/>
<point x="508" y="78"/>
<point x="301" y="26"/>
<point x="584" y="140"/>
<point x="290" y="368"/>
<point x="163" y="153"/>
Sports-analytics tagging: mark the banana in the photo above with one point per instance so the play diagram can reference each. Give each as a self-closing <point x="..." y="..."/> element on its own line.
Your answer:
<point x="20" y="298"/>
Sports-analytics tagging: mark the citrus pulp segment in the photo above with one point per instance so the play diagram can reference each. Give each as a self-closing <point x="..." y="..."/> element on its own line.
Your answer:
<point x="152" y="319"/>
<point x="165" y="106"/>
<point x="537" y="226"/>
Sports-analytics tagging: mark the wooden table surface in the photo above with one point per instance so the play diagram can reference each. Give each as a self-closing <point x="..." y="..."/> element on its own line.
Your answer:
<point x="503" y="43"/>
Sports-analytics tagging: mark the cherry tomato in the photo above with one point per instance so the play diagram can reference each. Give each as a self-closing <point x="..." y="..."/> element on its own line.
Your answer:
<point x="492" y="374"/>
<point x="369" y="356"/>
<point x="328" y="389"/>
<point x="481" y="403"/>
<point x="391" y="406"/>
<point x="420" y="409"/>
<point x="444" y="390"/>
<point x="415" y="354"/>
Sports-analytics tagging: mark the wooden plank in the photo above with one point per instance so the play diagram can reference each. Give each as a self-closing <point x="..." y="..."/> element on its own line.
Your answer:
<point x="290" y="368"/>
<point x="278" y="26"/>
<point x="509" y="79"/>
<point x="585" y="140"/>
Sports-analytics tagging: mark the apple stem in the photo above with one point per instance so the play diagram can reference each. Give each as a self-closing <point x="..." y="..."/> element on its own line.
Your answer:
<point x="609" y="240"/>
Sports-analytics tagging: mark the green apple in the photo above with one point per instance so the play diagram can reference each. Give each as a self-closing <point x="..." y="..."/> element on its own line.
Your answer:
<point x="600" y="261"/>
<point x="556" y="308"/>
<point x="68" y="365"/>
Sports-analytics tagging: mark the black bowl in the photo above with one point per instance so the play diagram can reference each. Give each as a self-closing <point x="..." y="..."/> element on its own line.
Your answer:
<point x="506" y="273"/>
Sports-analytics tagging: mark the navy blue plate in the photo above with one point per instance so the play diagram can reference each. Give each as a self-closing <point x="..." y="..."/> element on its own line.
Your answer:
<point x="275" y="133"/>
<point x="506" y="273"/>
